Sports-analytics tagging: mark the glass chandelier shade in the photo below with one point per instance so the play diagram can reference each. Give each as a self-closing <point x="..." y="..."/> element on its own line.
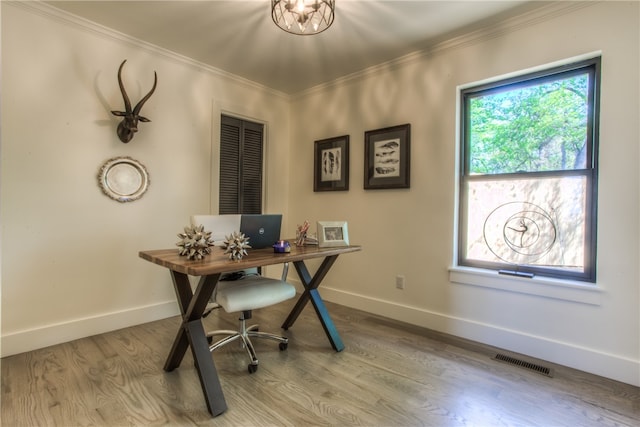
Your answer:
<point x="303" y="17"/>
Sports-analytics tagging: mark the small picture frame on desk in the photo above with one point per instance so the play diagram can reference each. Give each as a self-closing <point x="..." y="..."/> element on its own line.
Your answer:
<point x="332" y="233"/>
<point x="331" y="164"/>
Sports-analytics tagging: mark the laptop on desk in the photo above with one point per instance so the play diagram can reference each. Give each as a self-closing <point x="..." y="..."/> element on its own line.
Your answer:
<point x="263" y="230"/>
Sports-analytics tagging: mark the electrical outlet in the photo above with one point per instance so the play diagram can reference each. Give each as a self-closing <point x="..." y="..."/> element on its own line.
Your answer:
<point x="400" y="282"/>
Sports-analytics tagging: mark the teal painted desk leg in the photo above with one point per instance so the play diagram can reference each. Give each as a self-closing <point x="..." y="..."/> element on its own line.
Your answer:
<point x="192" y="334"/>
<point x="311" y="293"/>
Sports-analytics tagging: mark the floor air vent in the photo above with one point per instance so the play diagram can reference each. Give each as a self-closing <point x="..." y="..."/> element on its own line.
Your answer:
<point x="521" y="363"/>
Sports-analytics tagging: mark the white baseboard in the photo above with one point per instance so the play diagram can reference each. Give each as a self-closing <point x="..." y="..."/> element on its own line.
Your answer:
<point x="584" y="359"/>
<point x="32" y="339"/>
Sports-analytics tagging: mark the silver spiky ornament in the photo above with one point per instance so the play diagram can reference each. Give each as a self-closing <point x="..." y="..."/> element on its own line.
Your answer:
<point x="236" y="245"/>
<point x="195" y="242"/>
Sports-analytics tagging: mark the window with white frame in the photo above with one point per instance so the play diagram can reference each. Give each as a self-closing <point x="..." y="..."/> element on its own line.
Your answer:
<point x="528" y="173"/>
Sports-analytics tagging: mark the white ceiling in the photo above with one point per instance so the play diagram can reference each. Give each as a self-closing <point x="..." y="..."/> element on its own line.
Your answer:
<point x="239" y="36"/>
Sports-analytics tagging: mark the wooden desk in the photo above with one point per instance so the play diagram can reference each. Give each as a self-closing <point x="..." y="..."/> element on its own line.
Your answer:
<point x="193" y="303"/>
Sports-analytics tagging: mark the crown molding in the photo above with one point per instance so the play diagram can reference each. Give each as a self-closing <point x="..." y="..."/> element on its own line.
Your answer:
<point x="469" y="36"/>
<point x="461" y="39"/>
<point x="43" y="9"/>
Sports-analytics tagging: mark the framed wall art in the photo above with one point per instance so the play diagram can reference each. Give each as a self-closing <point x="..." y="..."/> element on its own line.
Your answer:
<point x="387" y="157"/>
<point x="331" y="164"/>
<point x="332" y="233"/>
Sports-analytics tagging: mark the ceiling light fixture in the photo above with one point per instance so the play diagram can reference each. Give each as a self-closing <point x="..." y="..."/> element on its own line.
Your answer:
<point x="303" y="17"/>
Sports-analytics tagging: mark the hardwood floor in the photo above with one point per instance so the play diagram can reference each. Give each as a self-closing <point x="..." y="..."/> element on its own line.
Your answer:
<point x="390" y="374"/>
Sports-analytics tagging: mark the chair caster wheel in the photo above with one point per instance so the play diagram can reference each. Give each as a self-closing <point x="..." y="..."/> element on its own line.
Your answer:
<point x="209" y="340"/>
<point x="283" y="346"/>
<point x="252" y="368"/>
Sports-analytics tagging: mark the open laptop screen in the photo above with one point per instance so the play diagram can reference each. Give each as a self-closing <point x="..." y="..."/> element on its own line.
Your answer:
<point x="263" y="230"/>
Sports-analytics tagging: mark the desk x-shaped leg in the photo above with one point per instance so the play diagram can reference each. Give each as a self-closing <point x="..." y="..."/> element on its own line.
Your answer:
<point x="311" y="293"/>
<point x="192" y="334"/>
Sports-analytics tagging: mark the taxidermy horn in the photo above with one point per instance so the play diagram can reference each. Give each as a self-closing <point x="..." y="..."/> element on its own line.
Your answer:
<point x="129" y="124"/>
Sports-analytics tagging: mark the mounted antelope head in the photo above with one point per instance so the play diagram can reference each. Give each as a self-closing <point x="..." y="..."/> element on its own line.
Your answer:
<point x="129" y="124"/>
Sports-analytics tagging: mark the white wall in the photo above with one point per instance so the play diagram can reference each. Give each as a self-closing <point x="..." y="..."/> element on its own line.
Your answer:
<point x="70" y="265"/>
<point x="69" y="254"/>
<point x="410" y="232"/>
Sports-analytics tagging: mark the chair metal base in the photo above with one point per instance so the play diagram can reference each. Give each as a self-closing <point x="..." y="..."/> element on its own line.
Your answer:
<point x="245" y="334"/>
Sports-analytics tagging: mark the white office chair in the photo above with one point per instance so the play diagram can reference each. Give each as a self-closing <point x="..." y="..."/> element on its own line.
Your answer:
<point x="243" y="292"/>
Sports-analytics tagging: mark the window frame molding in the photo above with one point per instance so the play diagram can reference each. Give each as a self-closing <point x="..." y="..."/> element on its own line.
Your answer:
<point x="547" y="287"/>
<point x="565" y="288"/>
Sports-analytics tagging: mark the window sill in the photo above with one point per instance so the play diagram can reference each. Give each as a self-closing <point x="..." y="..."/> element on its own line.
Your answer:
<point x="539" y="286"/>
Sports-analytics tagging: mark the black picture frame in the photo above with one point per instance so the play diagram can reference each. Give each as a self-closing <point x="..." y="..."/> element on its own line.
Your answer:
<point x="387" y="157"/>
<point x="331" y="164"/>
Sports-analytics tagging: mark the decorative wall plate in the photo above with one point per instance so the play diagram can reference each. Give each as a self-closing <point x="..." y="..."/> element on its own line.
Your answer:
<point x="123" y="179"/>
